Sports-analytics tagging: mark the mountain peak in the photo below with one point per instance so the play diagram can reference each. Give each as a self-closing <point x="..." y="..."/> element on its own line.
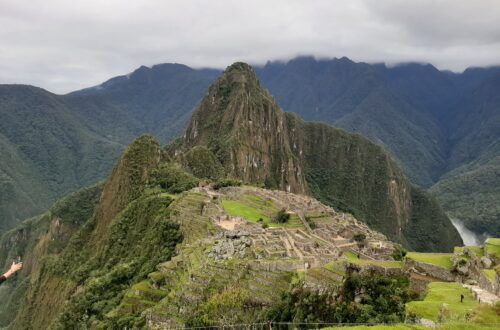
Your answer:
<point x="241" y="123"/>
<point x="240" y="73"/>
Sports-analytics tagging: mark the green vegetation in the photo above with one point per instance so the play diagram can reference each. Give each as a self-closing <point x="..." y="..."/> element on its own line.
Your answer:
<point x="259" y="212"/>
<point x="140" y="238"/>
<point x="359" y="237"/>
<point x="442" y="303"/>
<point x="381" y="327"/>
<point x="282" y="216"/>
<point x="353" y="258"/>
<point x="491" y="274"/>
<point x="383" y="302"/>
<point x="478" y="251"/>
<point x="470" y="195"/>
<point x="399" y="252"/>
<point x="38" y="239"/>
<point x="238" y="209"/>
<point x="46" y="153"/>
<point x="202" y="163"/>
<point x="173" y="178"/>
<point x="227" y="307"/>
<point x="451" y="326"/>
<point x="436" y="259"/>
<point x="226" y="183"/>
<point x="492" y="247"/>
<point x="90" y="264"/>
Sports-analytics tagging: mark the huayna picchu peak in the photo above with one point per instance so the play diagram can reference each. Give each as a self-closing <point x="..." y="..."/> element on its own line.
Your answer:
<point x="246" y="130"/>
<point x="253" y="214"/>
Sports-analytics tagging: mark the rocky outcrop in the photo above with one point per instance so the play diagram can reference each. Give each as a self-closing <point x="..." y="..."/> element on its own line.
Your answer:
<point x="229" y="244"/>
<point x="436" y="272"/>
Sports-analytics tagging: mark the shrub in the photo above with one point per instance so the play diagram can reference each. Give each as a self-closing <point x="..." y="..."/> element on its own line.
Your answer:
<point x="173" y="178"/>
<point x="359" y="237"/>
<point x="399" y="252"/>
<point x="282" y="216"/>
<point x="226" y="183"/>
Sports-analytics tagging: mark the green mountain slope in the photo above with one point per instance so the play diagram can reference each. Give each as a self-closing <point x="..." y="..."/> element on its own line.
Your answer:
<point x="46" y="152"/>
<point x="436" y="124"/>
<point x="470" y="190"/>
<point x="98" y="240"/>
<point x="471" y="194"/>
<point x="360" y="98"/>
<point x="157" y="100"/>
<point x="254" y="140"/>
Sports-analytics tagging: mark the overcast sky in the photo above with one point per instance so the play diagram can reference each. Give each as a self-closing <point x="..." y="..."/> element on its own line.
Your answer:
<point x="64" y="45"/>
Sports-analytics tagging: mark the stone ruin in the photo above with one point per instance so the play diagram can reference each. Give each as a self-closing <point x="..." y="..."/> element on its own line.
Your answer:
<point x="332" y="235"/>
<point x="230" y="244"/>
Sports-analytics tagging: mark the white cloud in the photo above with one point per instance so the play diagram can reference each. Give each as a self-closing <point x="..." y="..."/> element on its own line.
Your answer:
<point x="66" y="45"/>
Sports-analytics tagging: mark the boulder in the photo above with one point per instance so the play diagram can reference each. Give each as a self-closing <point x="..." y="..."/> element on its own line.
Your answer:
<point x="486" y="262"/>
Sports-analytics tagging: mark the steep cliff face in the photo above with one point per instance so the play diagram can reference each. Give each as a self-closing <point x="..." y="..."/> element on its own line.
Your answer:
<point x="128" y="179"/>
<point x="257" y="142"/>
<point x="352" y="174"/>
<point x="38" y="241"/>
<point x="244" y="127"/>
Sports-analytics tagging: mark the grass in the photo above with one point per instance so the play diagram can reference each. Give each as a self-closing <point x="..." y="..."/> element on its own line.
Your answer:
<point x="450" y="326"/>
<point x="479" y="251"/>
<point x="336" y="268"/>
<point x="440" y="293"/>
<point x="353" y="258"/>
<point x="437" y="259"/>
<point x="253" y="214"/>
<point x="491" y="274"/>
<point x="380" y="327"/>
<point x="238" y="209"/>
<point x="492" y="246"/>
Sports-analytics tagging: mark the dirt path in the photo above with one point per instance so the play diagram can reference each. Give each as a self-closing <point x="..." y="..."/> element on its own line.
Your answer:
<point x="483" y="296"/>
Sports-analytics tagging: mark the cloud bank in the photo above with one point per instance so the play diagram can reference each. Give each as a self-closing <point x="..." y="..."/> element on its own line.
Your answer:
<point x="68" y="45"/>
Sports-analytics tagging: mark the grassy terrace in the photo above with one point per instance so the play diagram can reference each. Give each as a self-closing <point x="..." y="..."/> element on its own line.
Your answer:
<point x="353" y="258"/>
<point x="491" y="274"/>
<point x="451" y="326"/>
<point x="437" y="259"/>
<point x="253" y="208"/>
<point x="492" y="246"/>
<point x="479" y="251"/>
<point x="440" y="293"/>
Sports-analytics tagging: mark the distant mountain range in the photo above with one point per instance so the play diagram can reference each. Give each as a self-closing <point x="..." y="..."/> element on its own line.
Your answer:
<point x="442" y="127"/>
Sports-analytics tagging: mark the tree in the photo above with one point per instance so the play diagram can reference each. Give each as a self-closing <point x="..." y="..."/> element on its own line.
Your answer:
<point x="282" y="216"/>
<point x="359" y="237"/>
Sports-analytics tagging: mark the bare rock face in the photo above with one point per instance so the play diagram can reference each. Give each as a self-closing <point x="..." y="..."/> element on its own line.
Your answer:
<point x="486" y="262"/>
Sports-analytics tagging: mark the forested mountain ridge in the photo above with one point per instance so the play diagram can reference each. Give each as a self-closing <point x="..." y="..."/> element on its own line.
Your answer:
<point x="157" y="100"/>
<point x="46" y="152"/>
<point x="55" y="144"/>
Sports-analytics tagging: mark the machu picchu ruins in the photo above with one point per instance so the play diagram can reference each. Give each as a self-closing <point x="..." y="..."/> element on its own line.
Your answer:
<point x="227" y="245"/>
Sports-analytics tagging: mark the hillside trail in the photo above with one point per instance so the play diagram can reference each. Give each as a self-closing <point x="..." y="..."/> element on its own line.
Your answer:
<point x="483" y="296"/>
